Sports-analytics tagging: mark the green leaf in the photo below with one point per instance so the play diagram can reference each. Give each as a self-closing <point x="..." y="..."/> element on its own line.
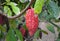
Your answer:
<point x="44" y="32"/>
<point x="15" y="9"/>
<point x="58" y="15"/>
<point x="38" y="6"/>
<point x="50" y="27"/>
<point x="7" y="11"/>
<point x="1" y="34"/>
<point x="53" y="9"/>
<point x="58" y="39"/>
<point x="19" y="35"/>
<point x="24" y="26"/>
<point x="7" y="0"/>
<point x="36" y="35"/>
<point x="11" y="36"/>
<point x="13" y="23"/>
<point x="12" y="4"/>
<point x="44" y="16"/>
<point x="23" y="1"/>
<point x="2" y="29"/>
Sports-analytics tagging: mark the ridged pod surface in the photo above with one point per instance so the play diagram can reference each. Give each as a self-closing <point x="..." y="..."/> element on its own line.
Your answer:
<point x="31" y="21"/>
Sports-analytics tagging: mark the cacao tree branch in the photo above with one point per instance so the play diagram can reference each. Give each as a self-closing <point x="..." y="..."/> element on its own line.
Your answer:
<point x="7" y="23"/>
<point x="16" y="16"/>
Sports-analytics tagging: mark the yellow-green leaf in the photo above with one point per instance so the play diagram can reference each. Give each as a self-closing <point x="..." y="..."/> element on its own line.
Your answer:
<point x="15" y="9"/>
<point x="7" y="0"/>
<point x="38" y="6"/>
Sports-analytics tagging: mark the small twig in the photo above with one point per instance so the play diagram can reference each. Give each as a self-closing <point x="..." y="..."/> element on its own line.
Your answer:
<point x="54" y="24"/>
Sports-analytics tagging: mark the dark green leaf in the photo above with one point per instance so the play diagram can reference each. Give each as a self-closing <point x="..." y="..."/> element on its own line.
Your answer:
<point x="11" y="36"/>
<point x="2" y="29"/>
<point x="24" y="26"/>
<point x="13" y="23"/>
<point x="50" y="28"/>
<point x="37" y="34"/>
<point x="19" y="35"/>
<point x="58" y="39"/>
<point x="38" y="6"/>
<point x="1" y="34"/>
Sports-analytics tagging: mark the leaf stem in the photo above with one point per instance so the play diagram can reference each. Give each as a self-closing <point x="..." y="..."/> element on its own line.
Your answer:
<point x="54" y="24"/>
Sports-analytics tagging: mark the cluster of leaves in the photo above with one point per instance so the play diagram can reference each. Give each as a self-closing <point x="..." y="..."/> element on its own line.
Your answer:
<point x="48" y="10"/>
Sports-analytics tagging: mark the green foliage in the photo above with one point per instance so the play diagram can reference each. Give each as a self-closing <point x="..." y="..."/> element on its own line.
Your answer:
<point x="19" y="35"/>
<point x="44" y="16"/>
<point x="15" y="9"/>
<point x="58" y="40"/>
<point x="7" y="11"/>
<point x="7" y="0"/>
<point x="2" y="29"/>
<point x="23" y="1"/>
<point x="50" y="28"/>
<point x="53" y="9"/>
<point x="1" y="34"/>
<point x="36" y="35"/>
<point x="47" y="9"/>
<point x="24" y="26"/>
<point x="38" y="6"/>
<point x="11" y="35"/>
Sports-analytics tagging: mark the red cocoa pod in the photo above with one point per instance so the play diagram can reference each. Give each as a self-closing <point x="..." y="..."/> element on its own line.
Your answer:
<point x="22" y="31"/>
<point x="31" y="21"/>
<point x="1" y="20"/>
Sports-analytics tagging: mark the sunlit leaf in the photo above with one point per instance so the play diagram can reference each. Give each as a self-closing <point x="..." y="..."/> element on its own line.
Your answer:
<point x="15" y="9"/>
<point x="38" y="6"/>
<point x="23" y="1"/>
<point x="7" y="11"/>
<point x="7" y="0"/>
